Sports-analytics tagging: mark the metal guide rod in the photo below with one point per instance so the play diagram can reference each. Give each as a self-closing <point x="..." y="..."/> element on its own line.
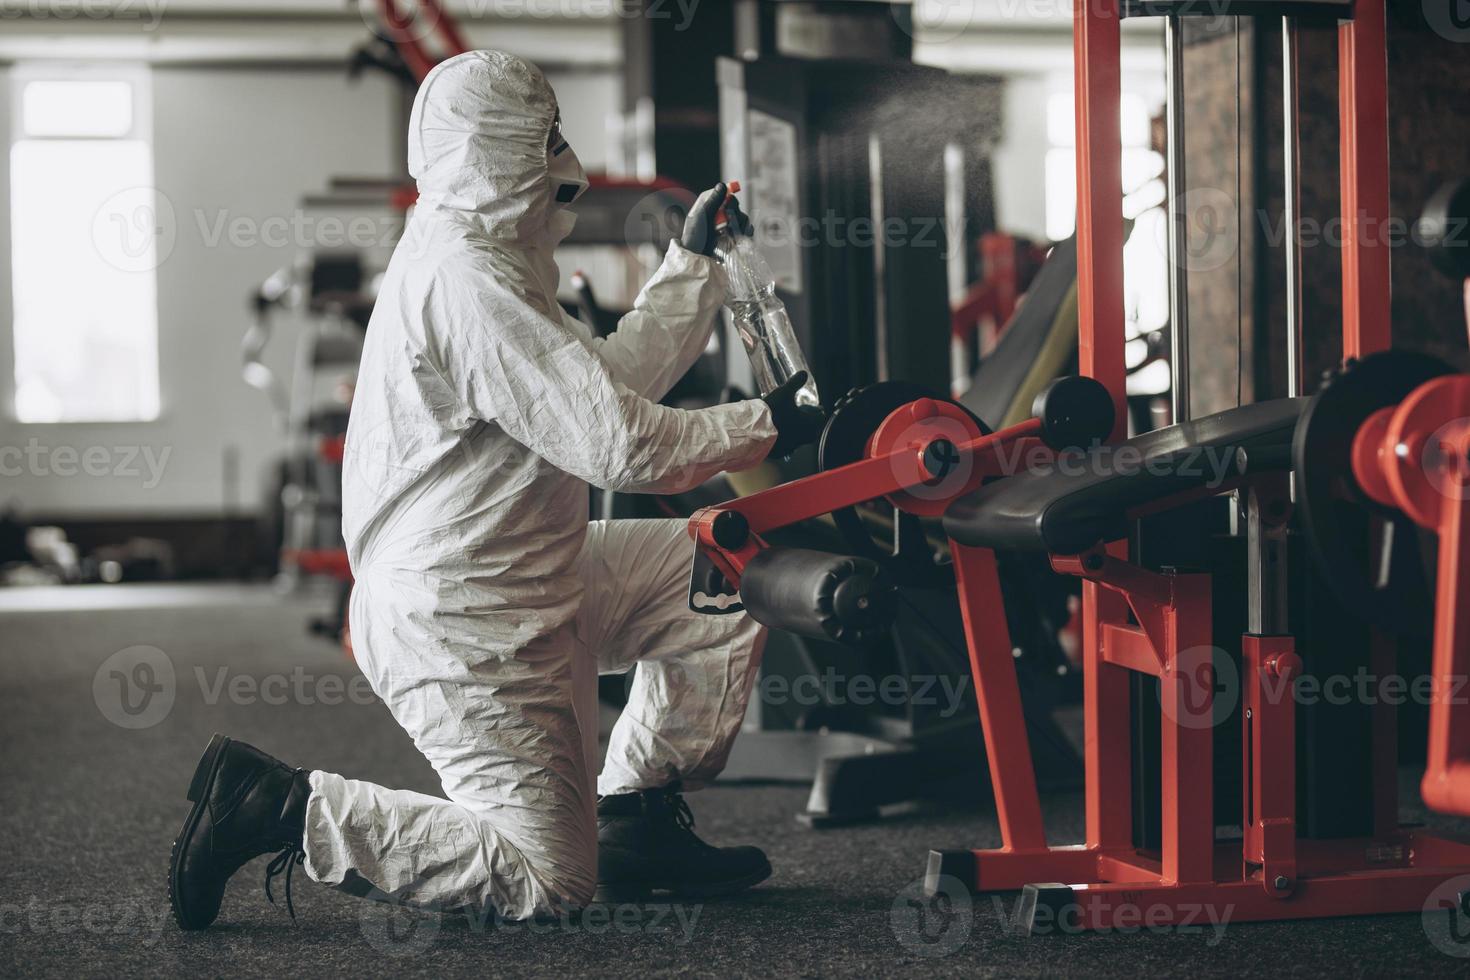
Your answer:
<point x="1266" y="541"/>
<point x="1266" y="570"/>
<point x="880" y="310"/>
<point x="1178" y="226"/>
<point x="1291" y="212"/>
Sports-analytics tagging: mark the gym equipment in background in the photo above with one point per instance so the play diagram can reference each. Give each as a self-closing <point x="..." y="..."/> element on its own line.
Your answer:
<point x="977" y="319"/>
<point x="1150" y="626"/>
<point x="1395" y="426"/>
<point x="330" y="296"/>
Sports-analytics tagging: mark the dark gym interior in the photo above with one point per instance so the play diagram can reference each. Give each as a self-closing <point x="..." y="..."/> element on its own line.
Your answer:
<point x="1022" y="449"/>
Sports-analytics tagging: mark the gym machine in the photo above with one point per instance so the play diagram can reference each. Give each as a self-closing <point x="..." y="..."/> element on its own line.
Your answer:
<point x="1386" y="439"/>
<point x="332" y="291"/>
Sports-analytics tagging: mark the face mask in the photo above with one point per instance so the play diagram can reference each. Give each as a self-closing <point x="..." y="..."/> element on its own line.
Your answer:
<point x="568" y="179"/>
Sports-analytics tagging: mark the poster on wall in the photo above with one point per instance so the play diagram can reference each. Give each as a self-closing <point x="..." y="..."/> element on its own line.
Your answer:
<point x="770" y="192"/>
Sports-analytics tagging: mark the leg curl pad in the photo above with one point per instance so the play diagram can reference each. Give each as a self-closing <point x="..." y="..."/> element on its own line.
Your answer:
<point x="813" y="593"/>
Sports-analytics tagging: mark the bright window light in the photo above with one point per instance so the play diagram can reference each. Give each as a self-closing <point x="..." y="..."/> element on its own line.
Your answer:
<point x="85" y="227"/>
<point x="1061" y="192"/>
<point x="1061" y="127"/>
<point x="1139" y="164"/>
<point x="1133" y="120"/>
<point x="51" y="108"/>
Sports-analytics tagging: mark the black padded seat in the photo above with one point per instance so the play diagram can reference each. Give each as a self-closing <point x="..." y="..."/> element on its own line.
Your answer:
<point x="1068" y="506"/>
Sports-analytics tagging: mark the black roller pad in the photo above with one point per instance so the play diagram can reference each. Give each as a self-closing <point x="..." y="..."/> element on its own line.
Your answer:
<point x="1075" y="412"/>
<point x="817" y="594"/>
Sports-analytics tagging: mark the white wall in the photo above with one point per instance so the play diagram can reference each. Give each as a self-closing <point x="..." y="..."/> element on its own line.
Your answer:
<point x="1019" y="161"/>
<point x="1030" y="47"/>
<point x="228" y="144"/>
<point x="1020" y="155"/>
<point x="249" y="143"/>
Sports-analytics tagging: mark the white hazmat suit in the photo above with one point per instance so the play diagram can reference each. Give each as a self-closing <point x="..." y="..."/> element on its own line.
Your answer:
<point x="485" y="603"/>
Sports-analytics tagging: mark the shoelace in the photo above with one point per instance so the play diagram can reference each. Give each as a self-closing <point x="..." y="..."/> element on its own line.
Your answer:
<point x="286" y="862"/>
<point x="683" y="816"/>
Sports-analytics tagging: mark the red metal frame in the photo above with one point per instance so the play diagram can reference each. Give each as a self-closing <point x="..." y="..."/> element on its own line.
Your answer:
<point x="893" y="474"/>
<point x="1270" y="874"/>
<point x="1100" y="332"/>
<point x="330" y="562"/>
<point x="1363" y="110"/>
<point x="1415" y="456"/>
<point x="1008" y="265"/>
<point x="1159" y="623"/>
<point x="409" y="37"/>
<point x="1100" y="200"/>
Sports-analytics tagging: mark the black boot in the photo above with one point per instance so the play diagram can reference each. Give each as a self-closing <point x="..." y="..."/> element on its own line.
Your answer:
<point x="646" y="843"/>
<point x="245" y="804"/>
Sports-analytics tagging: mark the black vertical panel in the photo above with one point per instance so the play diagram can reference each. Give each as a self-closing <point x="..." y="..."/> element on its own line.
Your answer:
<point x="669" y="56"/>
<point x="1194" y="537"/>
<point x="843" y="335"/>
<point x="1334" y="740"/>
<point x="840" y="109"/>
<point x="912" y="238"/>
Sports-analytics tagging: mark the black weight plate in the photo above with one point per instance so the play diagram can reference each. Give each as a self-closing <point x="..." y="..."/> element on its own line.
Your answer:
<point x="1331" y="506"/>
<point x="1444" y="229"/>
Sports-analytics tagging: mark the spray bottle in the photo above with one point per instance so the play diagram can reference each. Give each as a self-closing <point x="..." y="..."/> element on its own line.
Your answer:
<point x="759" y="316"/>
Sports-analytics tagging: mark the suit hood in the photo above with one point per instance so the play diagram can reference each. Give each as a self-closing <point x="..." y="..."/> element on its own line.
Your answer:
<point x="477" y="142"/>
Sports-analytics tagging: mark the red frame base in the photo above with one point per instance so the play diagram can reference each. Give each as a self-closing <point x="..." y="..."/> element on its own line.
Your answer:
<point x="1124" y="890"/>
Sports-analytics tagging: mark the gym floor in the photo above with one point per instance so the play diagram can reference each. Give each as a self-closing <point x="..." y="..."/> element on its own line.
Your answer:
<point x="93" y="794"/>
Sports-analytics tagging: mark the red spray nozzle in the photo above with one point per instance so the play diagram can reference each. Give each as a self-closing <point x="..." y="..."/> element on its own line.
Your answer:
<point x="731" y="188"/>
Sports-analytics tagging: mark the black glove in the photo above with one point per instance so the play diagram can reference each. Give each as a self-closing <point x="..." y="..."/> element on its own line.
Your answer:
<point x="796" y="425"/>
<point x="699" y="224"/>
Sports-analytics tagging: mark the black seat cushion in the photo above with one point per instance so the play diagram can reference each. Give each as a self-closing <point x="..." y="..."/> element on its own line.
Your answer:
<point x="1067" y="506"/>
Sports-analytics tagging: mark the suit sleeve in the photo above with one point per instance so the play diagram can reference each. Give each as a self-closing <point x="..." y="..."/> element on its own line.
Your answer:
<point x="510" y="364"/>
<point x="659" y="340"/>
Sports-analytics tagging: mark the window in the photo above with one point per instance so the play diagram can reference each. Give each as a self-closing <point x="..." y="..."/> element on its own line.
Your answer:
<point x="1140" y="164"/>
<point x="85" y="230"/>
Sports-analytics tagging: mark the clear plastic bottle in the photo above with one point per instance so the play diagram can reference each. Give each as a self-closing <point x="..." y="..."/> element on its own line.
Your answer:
<point x="759" y="316"/>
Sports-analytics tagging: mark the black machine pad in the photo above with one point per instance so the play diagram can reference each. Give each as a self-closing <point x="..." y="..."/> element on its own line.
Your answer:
<point x="1082" y="499"/>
